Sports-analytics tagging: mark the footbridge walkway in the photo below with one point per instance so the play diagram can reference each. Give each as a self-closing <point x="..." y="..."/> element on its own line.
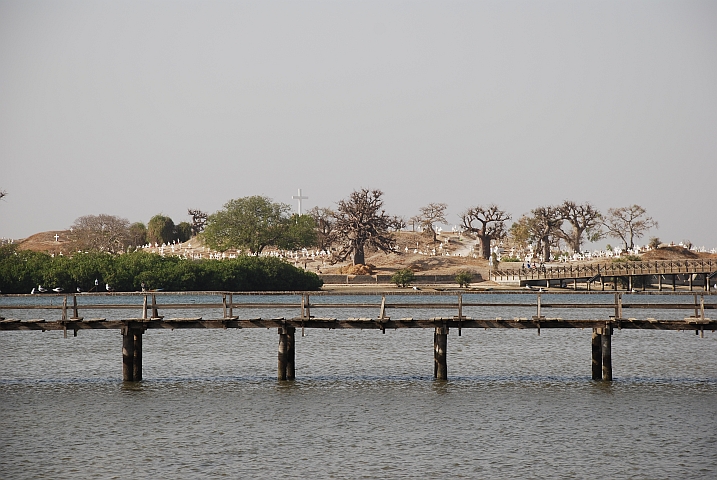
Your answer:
<point x="691" y="271"/>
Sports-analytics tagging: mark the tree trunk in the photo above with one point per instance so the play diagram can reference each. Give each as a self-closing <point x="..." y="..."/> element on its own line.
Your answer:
<point x="359" y="257"/>
<point x="485" y="246"/>
<point x="546" y="249"/>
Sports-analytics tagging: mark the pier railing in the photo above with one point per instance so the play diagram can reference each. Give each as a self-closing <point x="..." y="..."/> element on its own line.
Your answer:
<point x="612" y="313"/>
<point x="609" y="269"/>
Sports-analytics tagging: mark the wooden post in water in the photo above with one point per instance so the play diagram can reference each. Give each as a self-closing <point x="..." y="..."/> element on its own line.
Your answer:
<point x="290" y="353"/>
<point x="597" y="354"/>
<point x="286" y="357"/>
<point x="606" y="347"/>
<point x="131" y="354"/>
<point x="440" y="344"/>
<point x="127" y="355"/>
<point x="137" y="364"/>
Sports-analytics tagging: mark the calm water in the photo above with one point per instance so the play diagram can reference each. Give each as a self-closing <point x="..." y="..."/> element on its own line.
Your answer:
<point x="364" y="405"/>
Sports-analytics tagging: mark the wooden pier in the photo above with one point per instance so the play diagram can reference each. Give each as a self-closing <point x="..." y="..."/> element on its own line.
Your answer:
<point x="614" y="272"/>
<point x="602" y="325"/>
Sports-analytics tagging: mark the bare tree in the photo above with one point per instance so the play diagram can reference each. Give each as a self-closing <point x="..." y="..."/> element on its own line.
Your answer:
<point x="106" y="233"/>
<point x="324" y="219"/>
<point x="628" y="223"/>
<point x="360" y="221"/>
<point x="3" y="193"/>
<point x="584" y="220"/>
<point x="199" y="220"/>
<point x="431" y="214"/>
<point x="488" y="223"/>
<point x="544" y="226"/>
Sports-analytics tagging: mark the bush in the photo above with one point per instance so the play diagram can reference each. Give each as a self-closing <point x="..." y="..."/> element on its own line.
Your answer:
<point x="627" y="258"/>
<point x="464" y="278"/>
<point x="21" y="271"/>
<point x="403" y="277"/>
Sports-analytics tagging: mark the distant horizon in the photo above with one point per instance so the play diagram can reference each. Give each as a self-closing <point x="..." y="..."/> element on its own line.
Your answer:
<point x="136" y="108"/>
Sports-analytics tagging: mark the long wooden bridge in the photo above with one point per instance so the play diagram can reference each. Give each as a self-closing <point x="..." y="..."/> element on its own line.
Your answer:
<point x="611" y="315"/>
<point x="612" y="271"/>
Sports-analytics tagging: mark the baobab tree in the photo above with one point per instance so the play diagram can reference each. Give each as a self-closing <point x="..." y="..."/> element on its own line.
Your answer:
<point x="106" y="233"/>
<point x="487" y="223"/>
<point x="628" y="223"/>
<point x="431" y="214"/>
<point x="324" y="220"/>
<point x="544" y="225"/>
<point x="359" y="222"/>
<point x="584" y="220"/>
<point x="199" y="220"/>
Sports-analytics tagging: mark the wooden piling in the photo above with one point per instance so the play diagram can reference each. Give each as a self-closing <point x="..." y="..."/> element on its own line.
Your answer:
<point x="75" y="313"/>
<point x="597" y="354"/>
<point x="127" y="354"/>
<point x="137" y="353"/>
<point x="440" y="344"/>
<point x="606" y="347"/>
<point x="290" y="354"/>
<point x="131" y="354"/>
<point x="286" y="356"/>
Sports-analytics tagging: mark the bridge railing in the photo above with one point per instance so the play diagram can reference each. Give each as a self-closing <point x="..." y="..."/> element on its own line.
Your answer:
<point x="302" y="304"/>
<point x="608" y="269"/>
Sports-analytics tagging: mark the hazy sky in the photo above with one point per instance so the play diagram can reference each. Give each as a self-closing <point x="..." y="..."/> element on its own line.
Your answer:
<point x="134" y="108"/>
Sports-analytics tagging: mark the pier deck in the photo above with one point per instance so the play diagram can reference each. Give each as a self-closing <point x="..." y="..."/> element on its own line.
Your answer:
<point x="606" y="318"/>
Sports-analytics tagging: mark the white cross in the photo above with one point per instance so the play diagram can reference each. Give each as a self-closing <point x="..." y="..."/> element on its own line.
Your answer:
<point x="299" y="197"/>
<point x="56" y="237"/>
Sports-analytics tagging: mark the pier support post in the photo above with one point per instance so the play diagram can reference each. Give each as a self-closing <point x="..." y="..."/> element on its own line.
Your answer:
<point x="606" y="347"/>
<point x="440" y="345"/>
<point x="131" y="354"/>
<point x="597" y="354"/>
<point x="286" y="369"/>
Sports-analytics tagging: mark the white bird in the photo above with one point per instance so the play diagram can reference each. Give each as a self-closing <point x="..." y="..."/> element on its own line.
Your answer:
<point x="33" y="291"/>
<point x="79" y="290"/>
<point x="416" y="288"/>
<point x="57" y="289"/>
<point x="41" y="289"/>
<point x="109" y="289"/>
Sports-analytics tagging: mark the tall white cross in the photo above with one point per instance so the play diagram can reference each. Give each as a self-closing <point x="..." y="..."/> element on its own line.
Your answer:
<point x="56" y="237"/>
<point x="299" y="197"/>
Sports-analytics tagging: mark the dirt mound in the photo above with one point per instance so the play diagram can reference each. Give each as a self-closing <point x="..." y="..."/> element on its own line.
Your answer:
<point x="47" y="242"/>
<point x="669" y="253"/>
<point x="359" y="269"/>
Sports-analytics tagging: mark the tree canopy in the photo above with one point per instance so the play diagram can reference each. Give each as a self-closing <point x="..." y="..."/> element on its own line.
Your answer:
<point x="360" y="222"/>
<point x="431" y="214"/>
<point x="487" y="223"/>
<point x="584" y="219"/>
<point x="255" y="222"/>
<point x="105" y="233"/>
<point x="628" y="223"/>
<point x="161" y="229"/>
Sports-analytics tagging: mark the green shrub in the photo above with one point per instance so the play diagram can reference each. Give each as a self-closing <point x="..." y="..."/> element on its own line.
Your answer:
<point x="627" y="258"/>
<point x="403" y="278"/>
<point x="21" y="271"/>
<point x="464" y="278"/>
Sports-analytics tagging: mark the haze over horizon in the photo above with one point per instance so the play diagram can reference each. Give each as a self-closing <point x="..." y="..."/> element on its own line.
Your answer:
<point x="136" y="108"/>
